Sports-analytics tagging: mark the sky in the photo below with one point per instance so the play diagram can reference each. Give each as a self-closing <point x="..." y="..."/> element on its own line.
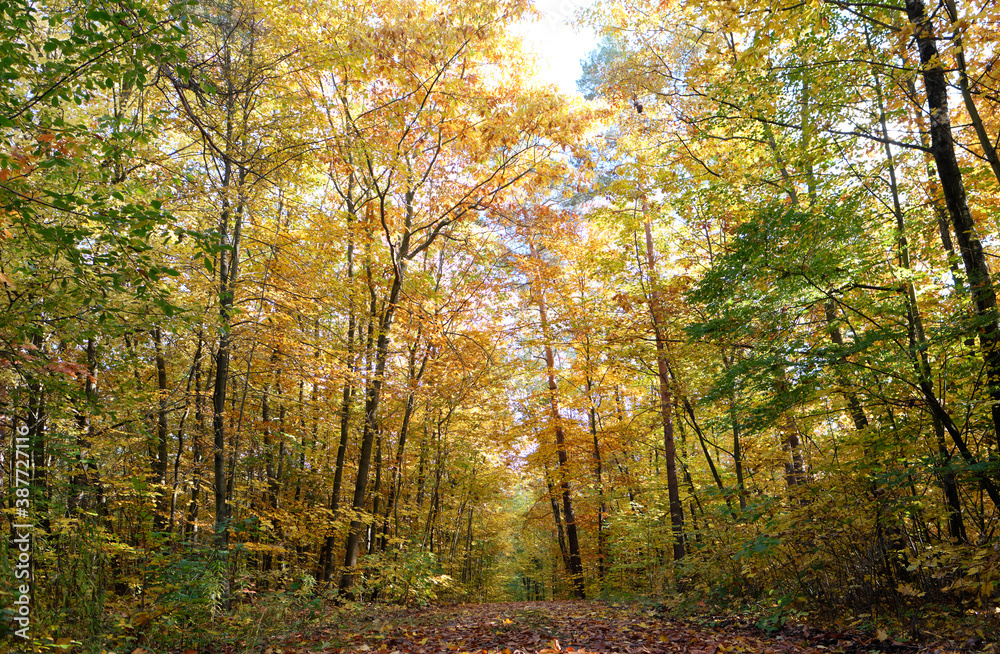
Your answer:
<point x="558" y="45"/>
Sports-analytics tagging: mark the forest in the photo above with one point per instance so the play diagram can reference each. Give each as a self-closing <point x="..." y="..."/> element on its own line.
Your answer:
<point x="313" y="306"/>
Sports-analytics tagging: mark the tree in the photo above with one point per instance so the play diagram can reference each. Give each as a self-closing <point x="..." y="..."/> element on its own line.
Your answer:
<point x="574" y="562"/>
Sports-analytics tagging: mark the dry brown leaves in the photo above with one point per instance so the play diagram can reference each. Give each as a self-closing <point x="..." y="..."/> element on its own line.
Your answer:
<point x="542" y="628"/>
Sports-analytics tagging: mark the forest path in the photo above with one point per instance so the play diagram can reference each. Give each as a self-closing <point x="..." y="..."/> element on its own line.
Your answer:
<point x="558" y="626"/>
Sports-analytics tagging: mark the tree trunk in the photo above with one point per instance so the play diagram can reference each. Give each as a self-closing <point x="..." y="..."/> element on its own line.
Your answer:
<point x="373" y="394"/>
<point x="666" y="402"/>
<point x="602" y="506"/>
<point x="229" y="260"/>
<point x="943" y="149"/>
<point x="176" y="483"/>
<point x="415" y="375"/>
<point x="198" y="454"/>
<point x="160" y="462"/>
<point x="373" y="527"/>
<point x="737" y="445"/>
<point x="915" y="328"/>
<point x="989" y="151"/>
<point x="854" y="408"/>
<point x="557" y="518"/>
<point x="347" y="397"/>
<point x="575" y="568"/>
<point x="86" y="476"/>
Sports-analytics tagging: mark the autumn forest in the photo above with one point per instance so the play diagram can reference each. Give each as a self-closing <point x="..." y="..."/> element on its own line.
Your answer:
<point x="325" y="304"/>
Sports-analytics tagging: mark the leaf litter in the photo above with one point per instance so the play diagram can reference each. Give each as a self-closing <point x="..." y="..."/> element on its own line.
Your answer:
<point x="558" y="627"/>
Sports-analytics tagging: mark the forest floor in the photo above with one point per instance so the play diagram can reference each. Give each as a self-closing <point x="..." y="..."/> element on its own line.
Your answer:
<point x="580" y="627"/>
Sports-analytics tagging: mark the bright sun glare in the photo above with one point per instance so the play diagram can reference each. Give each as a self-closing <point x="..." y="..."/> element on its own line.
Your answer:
<point x="559" y="45"/>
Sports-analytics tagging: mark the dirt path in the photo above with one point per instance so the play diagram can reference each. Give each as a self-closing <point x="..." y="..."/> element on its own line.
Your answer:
<point x="546" y="628"/>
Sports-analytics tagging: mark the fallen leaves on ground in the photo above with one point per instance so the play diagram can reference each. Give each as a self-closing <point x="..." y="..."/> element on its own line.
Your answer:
<point x="556" y="627"/>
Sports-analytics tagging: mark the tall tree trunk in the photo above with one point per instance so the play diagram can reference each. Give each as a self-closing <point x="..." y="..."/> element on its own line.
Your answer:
<point x="269" y="445"/>
<point x="422" y="461"/>
<point x="414" y="377"/>
<point x="185" y="413"/>
<point x="229" y="259"/>
<point x="86" y="476"/>
<point x="557" y="518"/>
<point x="347" y="399"/>
<point x="369" y="430"/>
<point x="854" y="408"/>
<point x="989" y="150"/>
<point x="575" y="569"/>
<point x="162" y="431"/>
<point x="916" y="333"/>
<point x="271" y="489"/>
<point x="304" y="444"/>
<point x="434" y="510"/>
<point x="795" y="471"/>
<point x="734" y="418"/>
<point x="704" y="447"/>
<point x="198" y="455"/>
<point x="936" y="197"/>
<point x="689" y="481"/>
<point x="666" y="402"/>
<point x="953" y="187"/>
<point x="373" y="526"/>
<point x="602" y="505"/>
<point x="373" y="394"/>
